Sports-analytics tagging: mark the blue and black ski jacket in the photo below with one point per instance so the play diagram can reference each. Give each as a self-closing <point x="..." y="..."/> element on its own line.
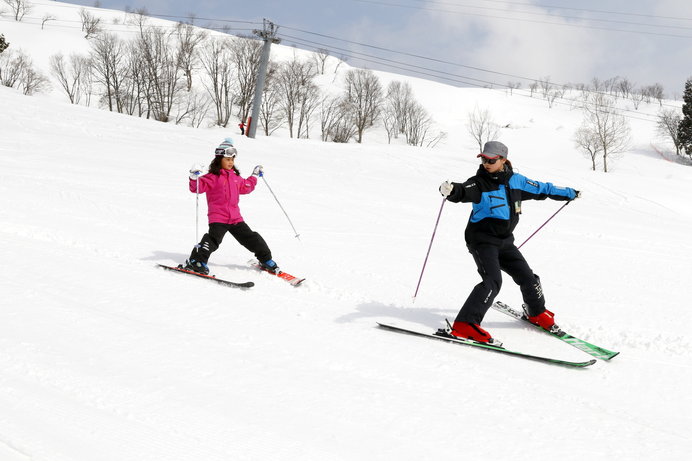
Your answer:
<point x="497" y="201"/>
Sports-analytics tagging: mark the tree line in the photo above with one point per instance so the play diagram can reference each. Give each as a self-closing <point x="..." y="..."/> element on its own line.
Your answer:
<point x="616" y="87"/>
<point x="186" y="76"/>
<point x="605" y="132"/>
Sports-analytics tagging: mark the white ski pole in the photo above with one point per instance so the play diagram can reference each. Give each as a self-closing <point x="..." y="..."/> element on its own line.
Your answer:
<point x="197" y="215"/>
<point x="282" y="208"/>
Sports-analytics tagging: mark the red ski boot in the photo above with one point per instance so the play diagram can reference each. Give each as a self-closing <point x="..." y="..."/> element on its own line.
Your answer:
<point x="474" y="332"/>
<point x="545" y="320"/>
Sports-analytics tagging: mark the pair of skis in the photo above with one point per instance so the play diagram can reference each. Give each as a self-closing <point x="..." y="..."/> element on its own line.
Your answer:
<point x="591" y="349"/>
<point x="295" y="281"/>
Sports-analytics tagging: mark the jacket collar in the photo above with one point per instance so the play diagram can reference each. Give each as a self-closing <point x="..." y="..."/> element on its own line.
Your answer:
<point x="500" y="177"/>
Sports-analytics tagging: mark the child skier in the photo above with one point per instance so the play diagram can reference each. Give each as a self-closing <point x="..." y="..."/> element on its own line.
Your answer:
<point x="223" y="186"/>
<point x="496" y="193"/>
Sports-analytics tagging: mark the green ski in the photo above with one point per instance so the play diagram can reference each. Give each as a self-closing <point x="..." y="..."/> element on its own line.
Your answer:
<point x="591" y="349"/>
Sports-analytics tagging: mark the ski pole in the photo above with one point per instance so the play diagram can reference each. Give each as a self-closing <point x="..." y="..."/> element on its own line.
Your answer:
<point x="444" y="199"/>
<point x="542" y="225"/>
<point x="197" y="215"/>
<point x="282" y="208"/>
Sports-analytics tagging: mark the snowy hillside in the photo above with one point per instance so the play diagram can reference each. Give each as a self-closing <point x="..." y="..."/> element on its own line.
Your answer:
<point x="104" y="357"/>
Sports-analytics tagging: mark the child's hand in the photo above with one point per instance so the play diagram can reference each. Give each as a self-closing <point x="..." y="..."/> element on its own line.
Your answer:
<point x="196" y="171"/>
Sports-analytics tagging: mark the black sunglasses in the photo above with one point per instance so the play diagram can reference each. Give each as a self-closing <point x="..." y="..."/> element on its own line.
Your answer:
<point x="490" y="161"/>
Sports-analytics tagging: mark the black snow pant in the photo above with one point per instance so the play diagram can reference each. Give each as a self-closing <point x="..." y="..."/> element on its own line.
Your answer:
<point x="491" y="260"/>
<point x="240" y="231"/>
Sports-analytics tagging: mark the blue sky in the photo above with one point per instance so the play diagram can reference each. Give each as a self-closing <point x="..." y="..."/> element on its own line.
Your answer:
<point x="474" y="42"/>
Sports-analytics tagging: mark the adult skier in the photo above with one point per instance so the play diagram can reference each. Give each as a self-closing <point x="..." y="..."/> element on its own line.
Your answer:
<point x="224" y="186"/>
<point x="496" y="193"/>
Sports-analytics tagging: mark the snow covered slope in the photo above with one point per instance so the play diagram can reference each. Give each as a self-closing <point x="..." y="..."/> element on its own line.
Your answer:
<point x="105" y="357"/>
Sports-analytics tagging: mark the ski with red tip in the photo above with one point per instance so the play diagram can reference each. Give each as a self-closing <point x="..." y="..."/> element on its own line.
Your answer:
<point x="292" y="279"/>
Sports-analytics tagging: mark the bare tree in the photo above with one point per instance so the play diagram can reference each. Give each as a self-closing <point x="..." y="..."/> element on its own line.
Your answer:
<point x="202" y="106"/>
<point x="646" y="94"/>
<point x="596" y="85"/>
<point x="482" y="127"/>
<point x="271" y="117"/>
<point x="107" y="58"/>
<point x="533" y="88"/>
<point x="46" y="18"/>
<point x="70" y="74"/>
<point x="163" y="74"/>
<point x="88" y="83"/>
<point x="298" y="94"/>
<point x="403" y="114"/>
<point x="583" y="88"/>
<point x="345" y="130"/>
<point x="656" y="92"/>
<point x="138" y="17"/>
<point x="337" y="119"/>
<point x="17" y="71"/>
<point x="329" y="111"/>
<point x="389" y="121"/>
<point x="193" y="106"/>
<point x="32" y="81"/>
<point x="342" y="59"/>
<point x="91" y="25"/>
<point x="435" y="140"/>
<point x="288" y="86"/>
<point x="586" y="139"/>
<point x="398" y="98"/>
<point x="418" y="124"/>
<point x="309" y="102"/>
<point x="135" y="87"/>
<point x="364" y="97"/>
<point x="511" y="86"/>
<point x="612" y="86"/>
<point x="609" y="127"/>
<point x="637" y="96"/>
<point x="215" y="56"/>
<point x="320" y="56"/>
<point x="333" y="117"/>
<point x="625" y="87"/>
<point x="12" y="65"/>
<point x="245" y="54"/>
<point x="19" y="8"/>
<point x="552" y="96"/>
<point x="188" y="41"/>
<point x="546" y="86"/>
<point x="667" y="126"/>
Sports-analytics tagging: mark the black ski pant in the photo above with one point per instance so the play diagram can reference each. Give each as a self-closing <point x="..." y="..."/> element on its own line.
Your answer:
<point x="491" y="260"/>
<point x="240" y="231"/>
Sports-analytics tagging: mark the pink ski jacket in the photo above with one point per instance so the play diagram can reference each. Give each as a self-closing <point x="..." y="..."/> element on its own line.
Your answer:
<point x="223" y="194"/>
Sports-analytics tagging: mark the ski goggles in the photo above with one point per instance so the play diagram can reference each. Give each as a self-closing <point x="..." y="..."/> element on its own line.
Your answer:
<point x="228" y="152"/>
<point x="489" y="161"/>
